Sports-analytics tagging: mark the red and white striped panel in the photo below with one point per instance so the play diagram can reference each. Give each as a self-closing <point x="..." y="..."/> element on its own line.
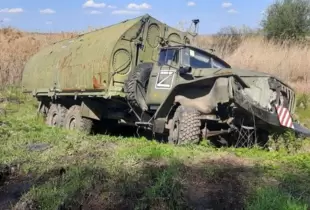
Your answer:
<point x="284" y="117"/>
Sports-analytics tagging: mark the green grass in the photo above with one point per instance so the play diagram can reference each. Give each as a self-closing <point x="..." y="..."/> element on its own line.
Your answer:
<point x="303" y="109"/>
<point x="275" y="199"/>
<point x="134" y="173"/>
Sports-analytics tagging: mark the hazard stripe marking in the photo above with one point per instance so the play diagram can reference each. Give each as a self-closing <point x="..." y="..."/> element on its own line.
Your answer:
<point x="284" y="117"/>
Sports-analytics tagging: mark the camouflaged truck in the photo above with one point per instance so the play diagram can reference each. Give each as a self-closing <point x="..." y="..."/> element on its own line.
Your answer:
<point x="144" y="73"/>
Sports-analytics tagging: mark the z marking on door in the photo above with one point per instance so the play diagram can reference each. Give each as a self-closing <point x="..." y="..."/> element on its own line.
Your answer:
<point x="165" y="79"/>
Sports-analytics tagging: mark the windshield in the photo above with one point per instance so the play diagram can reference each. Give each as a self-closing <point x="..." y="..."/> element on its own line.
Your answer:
<point x="196" y="59"/>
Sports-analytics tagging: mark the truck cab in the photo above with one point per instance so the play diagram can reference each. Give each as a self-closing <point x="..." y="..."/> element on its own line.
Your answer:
<point x="177" y="65"/>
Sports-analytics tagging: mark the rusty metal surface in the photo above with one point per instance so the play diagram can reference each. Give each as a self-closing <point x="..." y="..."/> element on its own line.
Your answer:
<point x="75" y="63"/>
<point x="99" y="59"/>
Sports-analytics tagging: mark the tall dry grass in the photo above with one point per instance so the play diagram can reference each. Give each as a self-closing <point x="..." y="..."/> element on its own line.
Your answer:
<point x="290" y="63"/>
<point x="16" y="47"/>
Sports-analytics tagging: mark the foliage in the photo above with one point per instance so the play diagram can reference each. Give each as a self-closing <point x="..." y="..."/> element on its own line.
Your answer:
<point x="228" y="39"/>
<point x="303" y="101"/>
<point x="287" y="20"/>
<point x="275" y="199"/>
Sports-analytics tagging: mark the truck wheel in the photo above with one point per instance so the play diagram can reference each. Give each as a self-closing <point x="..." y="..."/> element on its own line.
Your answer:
<point x="56" y="115"/>
<point x="136" y="85"/>
<point x="74" y="120"/>
<point x="185" y="127"/>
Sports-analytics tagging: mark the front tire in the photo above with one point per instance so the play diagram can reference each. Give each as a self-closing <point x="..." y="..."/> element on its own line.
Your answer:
<point x="185" y="127"/>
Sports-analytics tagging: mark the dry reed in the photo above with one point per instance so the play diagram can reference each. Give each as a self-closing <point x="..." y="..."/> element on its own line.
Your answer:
<point x="17" y="47"/>
<point x="290" y="63"/>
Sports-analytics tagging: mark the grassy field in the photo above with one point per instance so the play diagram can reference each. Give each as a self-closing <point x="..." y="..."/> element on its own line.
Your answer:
<point x="51" y="168"/>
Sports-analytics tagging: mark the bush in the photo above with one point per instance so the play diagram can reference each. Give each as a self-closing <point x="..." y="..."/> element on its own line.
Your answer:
<point x="287" y="20"/>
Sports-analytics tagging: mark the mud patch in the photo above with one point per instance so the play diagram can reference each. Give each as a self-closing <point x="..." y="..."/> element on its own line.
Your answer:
<point x="13" y="100"/>
<point x="39" y="147"/>
<point x="12" y="191"/>
<point x="222" y="184"/>
<point x="12" y="185"/>
<point x="154" y="187"/>
<point x="215" y="184"/>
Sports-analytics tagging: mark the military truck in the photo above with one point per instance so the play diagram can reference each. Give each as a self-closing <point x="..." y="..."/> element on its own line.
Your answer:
<point x="144" y="73"/>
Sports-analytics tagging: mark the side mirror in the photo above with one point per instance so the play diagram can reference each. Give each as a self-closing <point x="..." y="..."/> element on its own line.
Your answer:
<point x="185" y="69"/>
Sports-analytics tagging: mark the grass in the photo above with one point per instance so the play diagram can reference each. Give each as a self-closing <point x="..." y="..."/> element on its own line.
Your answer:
<point x="114" y="172"/>
<point x="274" y="198"/>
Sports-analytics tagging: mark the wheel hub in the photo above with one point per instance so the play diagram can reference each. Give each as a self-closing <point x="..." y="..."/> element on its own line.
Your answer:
<point x="72" y="124"/>
<point x="54" y="120"/>
<point x="174" y="133"/>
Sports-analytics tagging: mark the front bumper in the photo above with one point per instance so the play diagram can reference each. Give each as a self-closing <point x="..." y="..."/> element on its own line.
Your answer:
<point x="265" y="116"/>
<point x="277" y="86"/>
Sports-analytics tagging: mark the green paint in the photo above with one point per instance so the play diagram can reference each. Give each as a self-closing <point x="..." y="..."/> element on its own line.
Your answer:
<point x="103" y="57"/>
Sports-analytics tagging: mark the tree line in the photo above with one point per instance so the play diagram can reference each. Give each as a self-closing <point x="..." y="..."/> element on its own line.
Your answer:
<point x="284" y="20"/>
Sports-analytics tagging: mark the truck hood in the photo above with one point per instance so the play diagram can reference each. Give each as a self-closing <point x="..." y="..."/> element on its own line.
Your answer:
<point x="249" y="77"/>
<point x="246" y="74"/>
<point x="223" y="71"/>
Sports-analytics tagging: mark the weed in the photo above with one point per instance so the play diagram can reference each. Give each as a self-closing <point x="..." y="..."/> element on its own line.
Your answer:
<point x="303" y="101"/>
<point x="274" y="198"/>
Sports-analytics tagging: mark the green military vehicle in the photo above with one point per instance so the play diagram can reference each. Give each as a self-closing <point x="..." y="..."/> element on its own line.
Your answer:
<point x="144" y="73"/>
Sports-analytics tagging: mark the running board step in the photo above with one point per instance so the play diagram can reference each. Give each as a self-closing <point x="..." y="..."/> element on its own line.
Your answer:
<point x="144" y="124"/>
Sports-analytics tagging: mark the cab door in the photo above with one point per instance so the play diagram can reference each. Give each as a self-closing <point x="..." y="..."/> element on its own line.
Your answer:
<point x="163" y="77"/>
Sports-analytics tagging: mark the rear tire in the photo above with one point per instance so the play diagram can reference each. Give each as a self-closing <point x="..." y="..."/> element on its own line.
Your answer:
<point x="185" y="127"/>
<point x="74" y="120"/>
<point x="56" y="115"/>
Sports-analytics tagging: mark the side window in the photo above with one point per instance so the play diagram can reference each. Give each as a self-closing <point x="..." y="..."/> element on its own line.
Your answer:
<point x="199" y="60"/>
<point x="168" y="57"/>
<point x="218" y="64"/>
<point x="166" y="75"/>
<point x="196" y="59"/>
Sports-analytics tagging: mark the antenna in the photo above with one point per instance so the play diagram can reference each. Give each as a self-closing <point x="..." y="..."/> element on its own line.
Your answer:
<point x="194" y="31"/>
<point x="196" y="23"/>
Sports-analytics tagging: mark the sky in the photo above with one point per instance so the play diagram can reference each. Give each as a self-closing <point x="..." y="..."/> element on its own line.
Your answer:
<point x="78" y="15"/>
